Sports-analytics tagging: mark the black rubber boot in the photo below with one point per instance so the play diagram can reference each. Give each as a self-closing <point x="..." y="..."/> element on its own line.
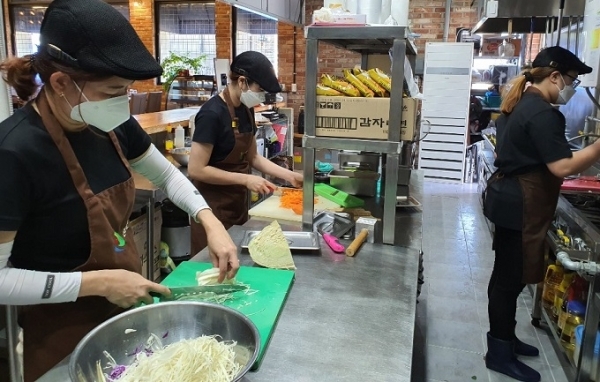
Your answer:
<point x="521" y="348"/>
<point x="501" y="358"/>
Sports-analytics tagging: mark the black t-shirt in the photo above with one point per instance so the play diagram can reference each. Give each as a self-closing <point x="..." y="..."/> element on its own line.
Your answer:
<point x="213" y="126"/>
<point x="532" y="136"/>
<point x="37" y="195"/>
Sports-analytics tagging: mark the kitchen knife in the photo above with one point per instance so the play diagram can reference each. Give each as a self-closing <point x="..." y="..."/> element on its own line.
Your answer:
<point x="178" y="292"/>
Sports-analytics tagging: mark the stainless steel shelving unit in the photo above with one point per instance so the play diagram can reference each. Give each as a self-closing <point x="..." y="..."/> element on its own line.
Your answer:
<point x="364" y="40"/>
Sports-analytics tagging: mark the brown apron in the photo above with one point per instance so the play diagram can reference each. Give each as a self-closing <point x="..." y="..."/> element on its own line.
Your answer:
<point x="229" y="203"/>
<point x="537" y="204"/>
<point x="51" y="331"/>
<point x="541" y="190"/>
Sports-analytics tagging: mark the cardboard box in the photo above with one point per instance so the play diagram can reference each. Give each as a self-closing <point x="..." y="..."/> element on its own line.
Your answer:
<point x="139" y="226"/>
<point x="342" y="19"/>
<point x="361" y="117"/>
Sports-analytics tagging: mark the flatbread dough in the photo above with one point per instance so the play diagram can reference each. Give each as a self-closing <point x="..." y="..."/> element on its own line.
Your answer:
<point x="270" y="248"/>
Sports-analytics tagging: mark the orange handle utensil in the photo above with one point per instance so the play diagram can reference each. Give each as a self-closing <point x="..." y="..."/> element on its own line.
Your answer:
<point x="358" y="241"/>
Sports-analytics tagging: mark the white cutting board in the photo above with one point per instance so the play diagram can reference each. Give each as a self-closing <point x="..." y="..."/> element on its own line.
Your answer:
<point x="270" y="208"/>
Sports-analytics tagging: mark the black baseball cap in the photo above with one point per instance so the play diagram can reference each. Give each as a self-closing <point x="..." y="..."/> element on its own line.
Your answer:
<point x="561" y="59"/>
<point x="258" y="68"/>
<point x="93" y="36"/>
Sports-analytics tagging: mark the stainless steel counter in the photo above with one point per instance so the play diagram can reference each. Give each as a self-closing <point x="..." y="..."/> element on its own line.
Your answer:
<point x="346" y="319"/>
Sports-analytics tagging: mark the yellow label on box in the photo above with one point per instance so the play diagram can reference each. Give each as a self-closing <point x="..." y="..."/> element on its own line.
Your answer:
<point x="360" y="117"/>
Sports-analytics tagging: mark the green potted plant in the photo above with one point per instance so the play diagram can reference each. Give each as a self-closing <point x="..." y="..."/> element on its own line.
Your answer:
<point x="177" y="65"/>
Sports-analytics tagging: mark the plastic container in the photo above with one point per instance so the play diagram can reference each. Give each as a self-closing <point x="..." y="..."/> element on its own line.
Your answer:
<point x="578" y="339"/>
<point x="560" y="293"/>
<point x="179" y="137"/>
<point x="554" y="275"/>
<point x="169" y="138"/>
<point x="575" y="316"/>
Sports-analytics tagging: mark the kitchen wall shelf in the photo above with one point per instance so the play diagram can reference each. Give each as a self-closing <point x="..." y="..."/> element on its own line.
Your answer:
<point x="365" y="40"/>
<point x="194" y="90"/>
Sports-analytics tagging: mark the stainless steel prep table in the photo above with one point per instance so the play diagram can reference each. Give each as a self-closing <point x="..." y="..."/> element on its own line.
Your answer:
<point x="345" y="319"/>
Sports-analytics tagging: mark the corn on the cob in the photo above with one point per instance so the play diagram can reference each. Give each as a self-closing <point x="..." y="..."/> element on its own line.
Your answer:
<point x="381" y="78"/>
<point x="323" y="90"/>
<point x="339" y="85"/>
<point x="374" y="86"/>
<point x="362" y="88"/>
<point x="357" y="70"/>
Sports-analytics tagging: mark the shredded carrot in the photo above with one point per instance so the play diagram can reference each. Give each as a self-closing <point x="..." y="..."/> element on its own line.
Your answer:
<point x="292" y="199"/>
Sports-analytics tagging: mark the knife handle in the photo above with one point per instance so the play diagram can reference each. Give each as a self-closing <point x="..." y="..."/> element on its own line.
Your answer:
<point x="333" y="243"/>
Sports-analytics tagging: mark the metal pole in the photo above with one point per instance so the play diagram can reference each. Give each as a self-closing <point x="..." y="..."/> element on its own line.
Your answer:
<point x="447" y="19"/>
<point x="569" y="33"/>
<point x="310" y="112"/>
<point x="12" y="332"/>
<point x="577" y="36"/>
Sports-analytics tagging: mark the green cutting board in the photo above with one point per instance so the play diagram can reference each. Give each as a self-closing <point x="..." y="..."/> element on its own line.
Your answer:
<point x="262" y="308"/>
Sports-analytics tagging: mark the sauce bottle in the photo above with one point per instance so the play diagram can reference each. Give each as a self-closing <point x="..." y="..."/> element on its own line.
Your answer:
<point x="169" y="138"/>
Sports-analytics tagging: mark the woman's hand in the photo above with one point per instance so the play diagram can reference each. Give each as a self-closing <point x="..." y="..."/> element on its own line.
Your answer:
<point x="296" y="179"/>
<point x="122" y="288"/>
<point x="259" y="184"/>
<point x="221" y="248"/>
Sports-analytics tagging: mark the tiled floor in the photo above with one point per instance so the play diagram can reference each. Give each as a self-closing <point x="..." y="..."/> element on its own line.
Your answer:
<point x="452" y="312"/>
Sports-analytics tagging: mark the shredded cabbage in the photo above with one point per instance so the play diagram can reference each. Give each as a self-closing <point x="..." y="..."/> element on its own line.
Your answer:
<point x="204" y="359"/>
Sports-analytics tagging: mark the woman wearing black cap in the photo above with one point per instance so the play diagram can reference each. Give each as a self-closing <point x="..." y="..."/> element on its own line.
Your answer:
<point x="67" y="192"/>
<point x="533" y="157"/>
<point x="224" y="145"/>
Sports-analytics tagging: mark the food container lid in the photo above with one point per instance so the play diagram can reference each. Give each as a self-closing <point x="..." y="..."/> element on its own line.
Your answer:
<point x="576" y="307"/>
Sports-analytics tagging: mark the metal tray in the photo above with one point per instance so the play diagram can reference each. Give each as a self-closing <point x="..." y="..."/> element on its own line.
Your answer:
<point x="332" y="223"/>
<point x="298" y="241"/>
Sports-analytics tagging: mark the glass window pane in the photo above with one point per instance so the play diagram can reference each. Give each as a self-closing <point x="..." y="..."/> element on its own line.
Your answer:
<point x="27" y="21"/>
<point x="258" y="33"/>
<point x="188" y="29"/>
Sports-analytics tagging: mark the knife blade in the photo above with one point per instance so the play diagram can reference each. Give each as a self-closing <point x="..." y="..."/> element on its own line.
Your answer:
<point x="179" y="292"/>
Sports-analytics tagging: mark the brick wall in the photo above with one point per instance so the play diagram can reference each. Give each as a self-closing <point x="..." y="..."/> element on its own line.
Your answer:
<point x="223" y="29"/>
<point x="141" y="16"/>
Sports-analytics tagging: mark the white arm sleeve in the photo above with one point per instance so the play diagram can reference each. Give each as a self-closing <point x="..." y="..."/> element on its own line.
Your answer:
<point x="164" y="175"/>
<point x="23" y="287"/>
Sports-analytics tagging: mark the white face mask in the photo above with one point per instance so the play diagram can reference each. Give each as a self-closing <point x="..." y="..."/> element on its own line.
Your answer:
<point x="106" y="115"/>
<point x="251" y="99"/>
<point x="565" y="94"/>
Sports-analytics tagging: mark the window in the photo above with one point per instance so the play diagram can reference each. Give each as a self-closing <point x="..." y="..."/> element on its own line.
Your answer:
<point x="26" y="22"/>
<point x="256" y="32"/>
<point x="188" y="29"/>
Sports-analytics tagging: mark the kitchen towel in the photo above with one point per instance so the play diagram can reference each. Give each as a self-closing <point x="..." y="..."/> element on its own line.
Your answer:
<point x="371" y="8"/>
<point x="399" y="10"/>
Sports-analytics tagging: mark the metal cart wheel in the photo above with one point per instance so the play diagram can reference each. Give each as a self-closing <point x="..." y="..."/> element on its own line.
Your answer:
<point x="535" y="322"/>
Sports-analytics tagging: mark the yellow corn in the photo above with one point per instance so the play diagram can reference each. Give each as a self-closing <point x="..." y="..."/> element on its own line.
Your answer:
<point x="357" y="70"/>
<point x="339" y="85"/>
<point x="374" y="86"/>
<point x="381" y="78"/>
<point x="362" y="88"/>
<point x="323" y="90"/>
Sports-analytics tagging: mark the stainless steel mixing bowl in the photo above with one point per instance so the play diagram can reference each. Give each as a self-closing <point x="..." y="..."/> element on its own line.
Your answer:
<point x="181" y="155"/>
<point x="180" y="320"/>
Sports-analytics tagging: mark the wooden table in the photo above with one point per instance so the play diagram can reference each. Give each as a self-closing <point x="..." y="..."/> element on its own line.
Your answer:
<point x="157" y="122"/>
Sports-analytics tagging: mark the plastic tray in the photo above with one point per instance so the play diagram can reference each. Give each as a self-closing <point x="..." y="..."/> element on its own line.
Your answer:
<point x="340" y="197"/>
<point x="298" y="241"/>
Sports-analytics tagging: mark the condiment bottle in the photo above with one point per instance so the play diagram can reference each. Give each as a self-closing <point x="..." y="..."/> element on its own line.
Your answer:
<point x="560" y="293"/>
<point x="554" y="275"/>
<point x="575" y="317"/>
<point x="169" y="138"/>
<point x="179" y="137"/>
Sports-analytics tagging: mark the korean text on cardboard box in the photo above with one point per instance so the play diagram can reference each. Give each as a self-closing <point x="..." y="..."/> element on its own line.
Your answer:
<point x="358" y="117"/>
